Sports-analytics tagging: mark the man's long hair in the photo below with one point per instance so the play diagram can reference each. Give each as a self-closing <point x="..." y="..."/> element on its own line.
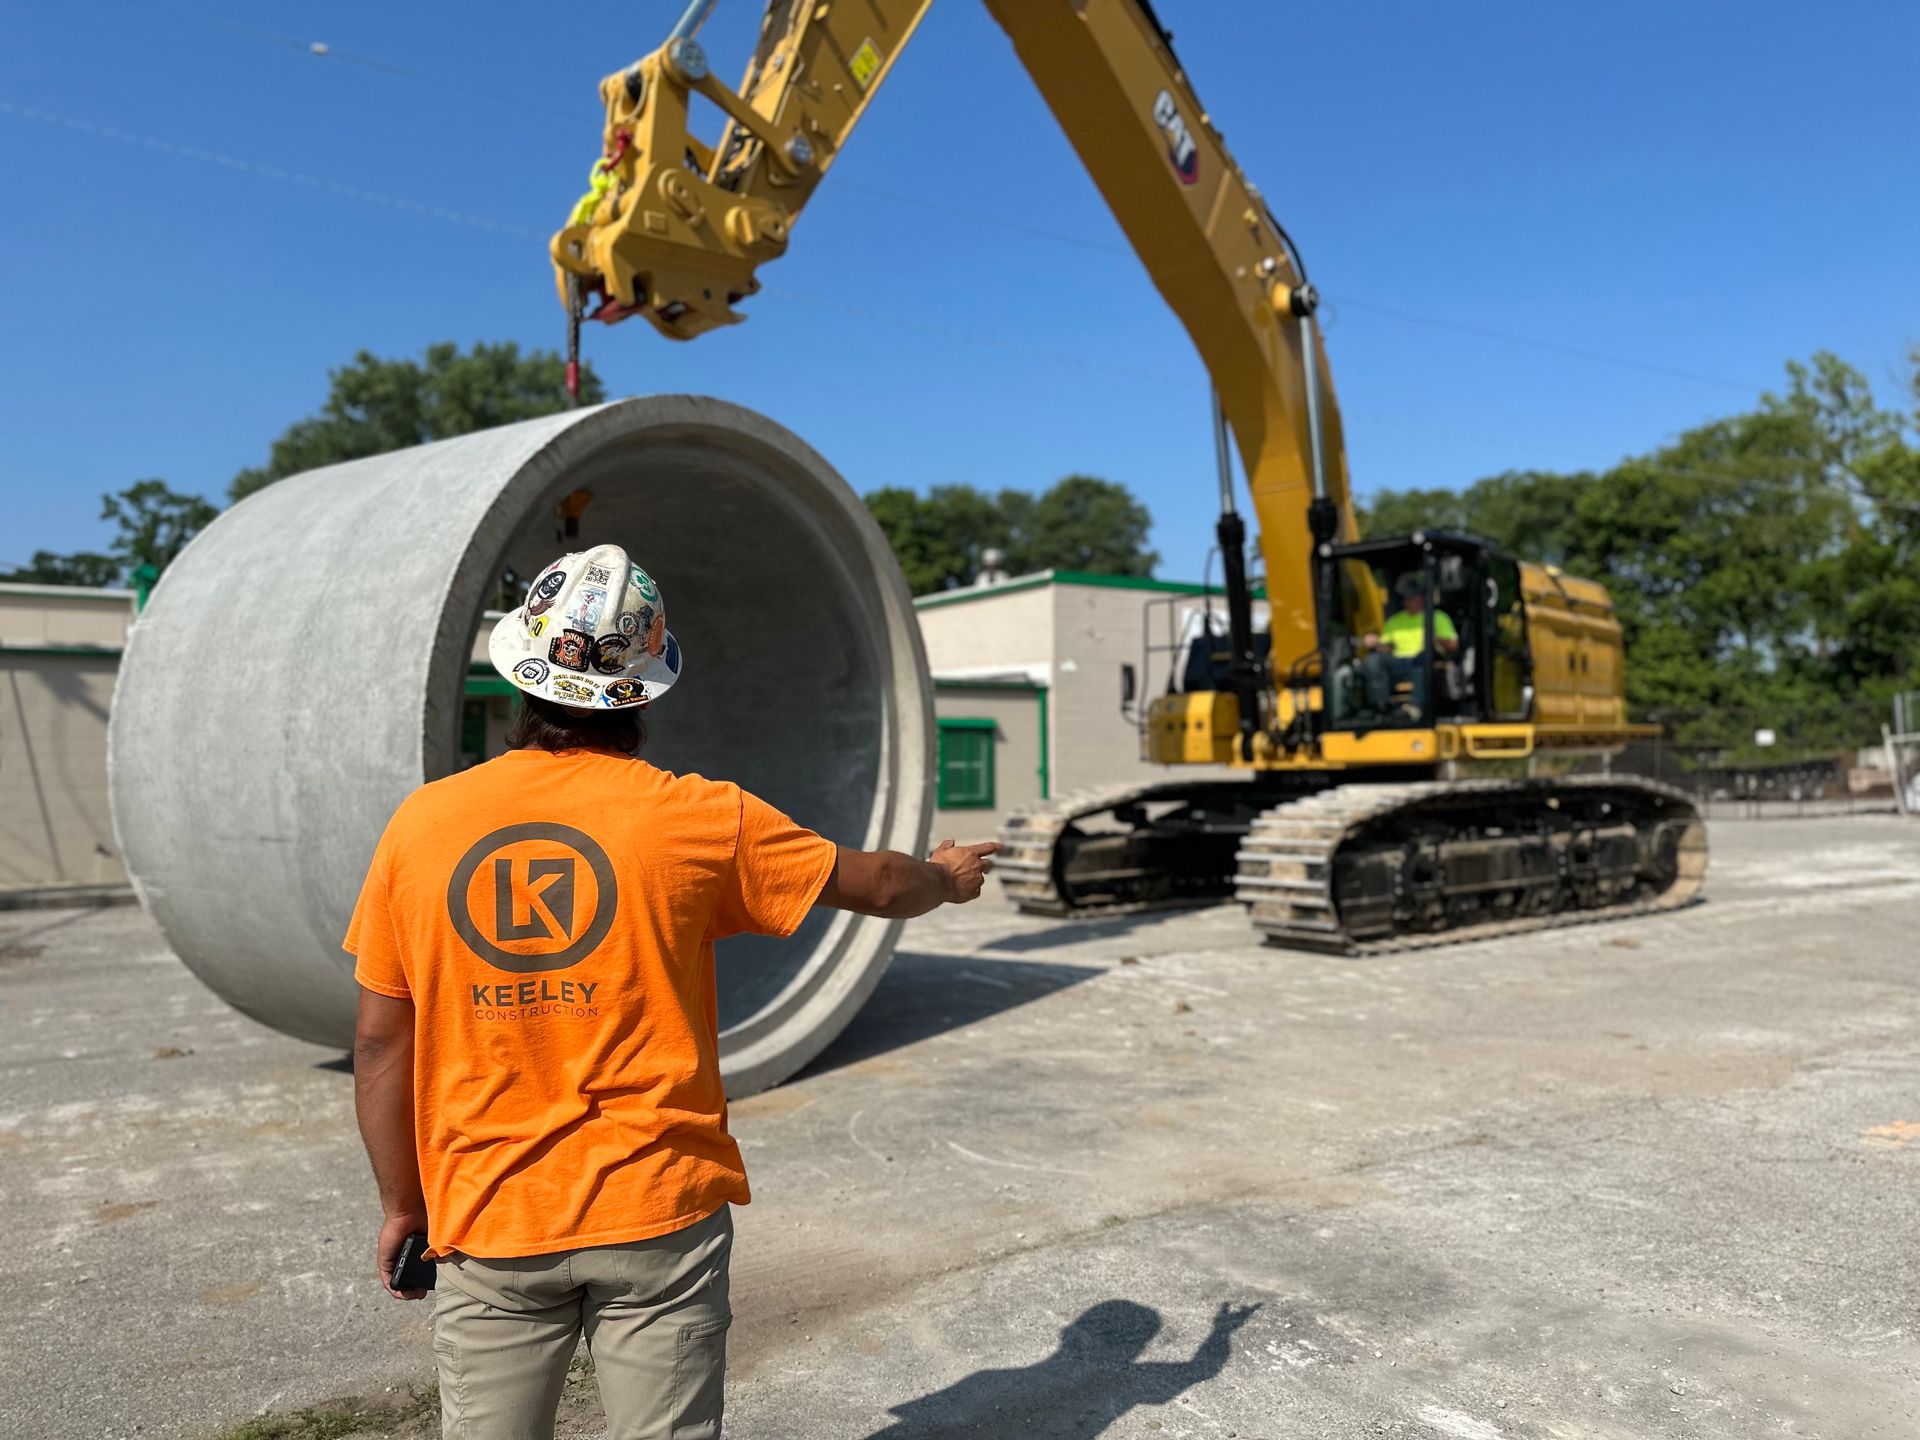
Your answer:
<point x="543" y="725"/>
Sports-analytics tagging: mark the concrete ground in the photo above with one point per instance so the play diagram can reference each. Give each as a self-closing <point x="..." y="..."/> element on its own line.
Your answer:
<point x="1139" y="1178"/>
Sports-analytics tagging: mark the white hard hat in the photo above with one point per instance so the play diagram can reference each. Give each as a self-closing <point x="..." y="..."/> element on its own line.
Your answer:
<point x="592" y="634"/>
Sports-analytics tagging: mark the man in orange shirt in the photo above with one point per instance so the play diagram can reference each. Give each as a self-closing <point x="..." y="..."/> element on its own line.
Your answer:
<point x="536" y="1067"/>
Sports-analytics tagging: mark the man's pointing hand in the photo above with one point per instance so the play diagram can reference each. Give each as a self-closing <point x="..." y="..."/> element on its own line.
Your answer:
<point x="966" y="867"/>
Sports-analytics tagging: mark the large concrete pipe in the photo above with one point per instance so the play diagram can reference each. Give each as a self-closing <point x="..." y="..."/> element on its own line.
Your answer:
<point x="300" y="669"/>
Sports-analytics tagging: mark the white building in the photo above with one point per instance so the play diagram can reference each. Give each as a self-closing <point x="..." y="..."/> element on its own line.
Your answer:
<point x="59" y="649"/>
<point x="1042" y="657"/>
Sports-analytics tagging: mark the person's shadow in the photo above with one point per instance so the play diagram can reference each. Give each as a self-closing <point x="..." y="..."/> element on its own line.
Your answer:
<point x="1094" y="1378"/>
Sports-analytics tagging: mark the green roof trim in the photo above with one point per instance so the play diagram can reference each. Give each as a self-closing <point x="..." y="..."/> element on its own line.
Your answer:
<point x="67" y="592"/>
<point x="1144" y="583"/>
<point x="965" y="722"/>
<point x="1014" y="683"/>
<point x="90" y="652"/>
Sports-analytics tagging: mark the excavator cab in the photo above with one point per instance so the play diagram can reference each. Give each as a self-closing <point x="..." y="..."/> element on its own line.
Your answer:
<point x="1421" y="630"/>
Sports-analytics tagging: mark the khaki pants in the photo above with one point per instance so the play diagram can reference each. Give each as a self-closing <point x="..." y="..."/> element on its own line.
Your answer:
<point x="655" y="1317"/>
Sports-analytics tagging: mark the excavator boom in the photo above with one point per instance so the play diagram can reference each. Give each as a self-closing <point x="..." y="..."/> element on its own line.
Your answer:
<point x="679" y="234"/>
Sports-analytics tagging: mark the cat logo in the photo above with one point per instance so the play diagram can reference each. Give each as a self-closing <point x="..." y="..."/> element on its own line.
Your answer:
<point x="1181" y="150"/>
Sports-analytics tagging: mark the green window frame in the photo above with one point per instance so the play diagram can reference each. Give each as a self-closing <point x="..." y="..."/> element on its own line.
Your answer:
<point x="966" y="763"/>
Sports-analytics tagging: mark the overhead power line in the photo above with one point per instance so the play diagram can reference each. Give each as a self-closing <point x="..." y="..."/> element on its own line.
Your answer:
<point x="268" y="172"/>
<point x="1847" y="484"/>
<point x="321" y="49"/>
<point x="951" y="334"/>
<point x="978" y="339"/>
<point x="1536" y="342"/>
<point x="891" y="320"/>
<point x="956" y="335"/>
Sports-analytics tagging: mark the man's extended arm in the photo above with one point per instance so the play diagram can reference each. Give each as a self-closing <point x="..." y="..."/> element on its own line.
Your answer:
<point x="383" y="1099"/>
<point x="898" y="887"/>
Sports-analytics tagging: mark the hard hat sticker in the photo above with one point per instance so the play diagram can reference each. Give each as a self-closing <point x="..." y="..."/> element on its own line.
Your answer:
<point x="532" y="670"/>
<point x="538" y="627"/>
<point x="656" y="634"/>
<point x="569" y="691"/>
<point x="644" y="581"/>
<point x="587" y="608"/>
<point x="569" y="649"/>
<point x="624" y="692"/>
<point x="629" y="623"/>
<point x="610" y="654"/>
<point x="599" y="575"/>
<point x="545" y="590"/>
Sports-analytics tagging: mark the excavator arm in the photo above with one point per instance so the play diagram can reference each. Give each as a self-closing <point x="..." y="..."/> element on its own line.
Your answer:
<point x="676" y="229"/>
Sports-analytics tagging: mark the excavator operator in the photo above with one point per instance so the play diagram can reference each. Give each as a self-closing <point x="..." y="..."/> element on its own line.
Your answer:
<point x="1398" y="651"/>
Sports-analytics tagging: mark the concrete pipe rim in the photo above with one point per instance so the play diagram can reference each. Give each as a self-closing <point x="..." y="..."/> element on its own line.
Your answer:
<point x="285" y="812"/>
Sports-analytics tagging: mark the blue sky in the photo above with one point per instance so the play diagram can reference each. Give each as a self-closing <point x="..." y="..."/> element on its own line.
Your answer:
<point x="1706" y="188"/>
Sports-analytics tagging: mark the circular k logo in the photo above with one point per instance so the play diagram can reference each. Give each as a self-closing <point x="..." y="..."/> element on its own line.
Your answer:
<point x="533" y="897"/>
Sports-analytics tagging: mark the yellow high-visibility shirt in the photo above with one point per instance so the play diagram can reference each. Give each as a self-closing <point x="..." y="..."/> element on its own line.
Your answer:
<point x="1406" y="634"/>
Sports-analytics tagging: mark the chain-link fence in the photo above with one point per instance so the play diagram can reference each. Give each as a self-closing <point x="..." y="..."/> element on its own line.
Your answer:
<point x="1848" y="782"/>
<point x="1751" y="767"/>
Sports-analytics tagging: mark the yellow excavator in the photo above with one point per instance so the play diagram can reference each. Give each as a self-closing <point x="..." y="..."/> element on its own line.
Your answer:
<point x="1406" y="720"/>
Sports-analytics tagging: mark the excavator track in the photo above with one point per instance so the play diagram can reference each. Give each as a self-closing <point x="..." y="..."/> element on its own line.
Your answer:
<point x="1370" y="869"/>
<point x="1118" y="849"/>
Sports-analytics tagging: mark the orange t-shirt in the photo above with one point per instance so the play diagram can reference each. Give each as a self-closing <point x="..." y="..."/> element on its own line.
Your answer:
<point x="552" y="917"/>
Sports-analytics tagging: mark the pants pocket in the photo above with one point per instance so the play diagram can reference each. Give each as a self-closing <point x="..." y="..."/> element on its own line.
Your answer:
<point x="699" y="1380"/>
<point x="446" y="1354"/>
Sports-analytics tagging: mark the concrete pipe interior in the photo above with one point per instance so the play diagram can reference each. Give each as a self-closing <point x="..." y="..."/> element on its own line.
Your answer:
<point x="804" y="682"/>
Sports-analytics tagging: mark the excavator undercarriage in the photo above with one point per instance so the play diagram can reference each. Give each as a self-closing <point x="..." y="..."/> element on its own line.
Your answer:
<point x="1117" y="848"/>
<point x="1365" y="868"/>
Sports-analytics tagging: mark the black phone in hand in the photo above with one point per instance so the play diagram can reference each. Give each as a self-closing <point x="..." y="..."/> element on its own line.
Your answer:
<point x="411" y="1268"/>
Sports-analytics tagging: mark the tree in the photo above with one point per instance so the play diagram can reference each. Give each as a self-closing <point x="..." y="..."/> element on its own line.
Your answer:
<point x="1079" y="523"/>
<point x="1870" y="588"/>
<point x="376" y="405"/>
<point x="372" y="406"/>
<point x="155" y="522"/>
<point x="1530" y="514"/>
<point x="1401" y="512"/>
<point x="1736" y="535"/>
<point x="84" y="567"/>
<point x="1527" y="513"/>
<point x="1765" y="565"/>
<point x="939" y="538"/>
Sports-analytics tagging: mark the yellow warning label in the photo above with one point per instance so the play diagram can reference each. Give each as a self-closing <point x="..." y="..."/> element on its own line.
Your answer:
<point x="865" y="64"/>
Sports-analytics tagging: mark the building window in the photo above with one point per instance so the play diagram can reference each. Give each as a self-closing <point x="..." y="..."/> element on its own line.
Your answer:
<point x="966" y="764"/>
